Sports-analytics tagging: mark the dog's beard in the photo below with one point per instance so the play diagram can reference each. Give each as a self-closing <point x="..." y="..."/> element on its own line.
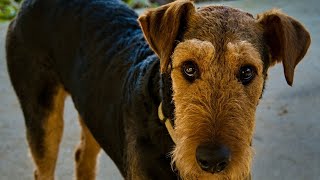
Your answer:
<point x="200" y="123"/>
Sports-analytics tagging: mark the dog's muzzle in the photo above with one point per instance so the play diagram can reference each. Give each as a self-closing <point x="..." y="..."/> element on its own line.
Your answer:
<point x="213" y="158"/>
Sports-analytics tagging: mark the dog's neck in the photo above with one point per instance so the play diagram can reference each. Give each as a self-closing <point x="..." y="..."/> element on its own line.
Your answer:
<point x="150" y="135"/>
<point x="167" y="122"/>
<point x="166" y="95"/>
<point x="159" y="88"/>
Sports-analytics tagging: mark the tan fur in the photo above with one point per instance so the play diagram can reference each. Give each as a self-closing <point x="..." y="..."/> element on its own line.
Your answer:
<point x="86" y="155"/>
<point x="53" y="125"/>
<point x="217" y="108"/>
<point x="206" y="110"/>
<point x="287" y="38"/>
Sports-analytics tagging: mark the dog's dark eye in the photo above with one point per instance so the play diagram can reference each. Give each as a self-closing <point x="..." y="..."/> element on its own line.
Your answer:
<point x="246" y="74"/>
<point x="190" y="70"/>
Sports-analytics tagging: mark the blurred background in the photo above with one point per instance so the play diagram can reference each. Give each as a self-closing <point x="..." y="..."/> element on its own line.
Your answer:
<point x="287" y="138"/>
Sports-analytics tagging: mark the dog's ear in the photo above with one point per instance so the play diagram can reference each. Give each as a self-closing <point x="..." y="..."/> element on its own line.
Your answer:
<point x="287" y="39"/>
<point x="162" y="27"/>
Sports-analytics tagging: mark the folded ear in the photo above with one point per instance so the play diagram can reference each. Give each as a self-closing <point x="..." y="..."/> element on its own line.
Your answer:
<point x="164" y="25"/>
<point x="287" y="39"/>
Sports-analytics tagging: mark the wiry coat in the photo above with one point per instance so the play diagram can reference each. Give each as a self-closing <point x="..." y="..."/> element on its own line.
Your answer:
<point x="96" y="52"/>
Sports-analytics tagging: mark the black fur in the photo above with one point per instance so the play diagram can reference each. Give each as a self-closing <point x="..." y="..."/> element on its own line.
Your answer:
<point x="95" y="49"/>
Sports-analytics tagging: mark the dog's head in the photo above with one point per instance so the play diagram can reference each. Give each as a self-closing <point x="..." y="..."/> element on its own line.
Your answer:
<point x="218" y="58"/>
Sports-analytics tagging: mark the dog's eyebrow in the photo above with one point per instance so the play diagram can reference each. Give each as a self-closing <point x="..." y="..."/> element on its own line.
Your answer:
<point x="193" y="49"/>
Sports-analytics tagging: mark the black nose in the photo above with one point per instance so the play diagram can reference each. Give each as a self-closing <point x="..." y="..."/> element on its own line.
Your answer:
<point x="213" y="158"/>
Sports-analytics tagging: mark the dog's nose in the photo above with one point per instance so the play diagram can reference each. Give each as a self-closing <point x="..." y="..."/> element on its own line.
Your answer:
<point x="213" y="158"/>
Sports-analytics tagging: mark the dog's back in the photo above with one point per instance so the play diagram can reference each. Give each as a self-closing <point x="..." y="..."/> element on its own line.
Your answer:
<point x="72" y="40"/>
<point x="63" y="30"/>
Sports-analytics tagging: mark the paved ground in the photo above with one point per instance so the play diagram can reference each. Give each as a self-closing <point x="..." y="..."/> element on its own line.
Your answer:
<point x="287" y="140"/>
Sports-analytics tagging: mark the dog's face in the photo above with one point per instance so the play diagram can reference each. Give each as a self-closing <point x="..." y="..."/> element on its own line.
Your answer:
<point x="218" y="69"/>
<point x="215" y="97"/>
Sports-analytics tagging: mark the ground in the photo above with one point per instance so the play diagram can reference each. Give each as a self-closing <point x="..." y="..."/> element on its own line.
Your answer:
<point x="287" y="138"/>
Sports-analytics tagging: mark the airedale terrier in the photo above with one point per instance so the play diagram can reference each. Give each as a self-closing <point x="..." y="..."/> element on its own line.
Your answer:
<point x="201" y="69"/>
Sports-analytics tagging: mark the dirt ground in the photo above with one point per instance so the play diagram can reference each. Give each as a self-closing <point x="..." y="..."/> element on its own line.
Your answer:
<point x="287" y="139"/>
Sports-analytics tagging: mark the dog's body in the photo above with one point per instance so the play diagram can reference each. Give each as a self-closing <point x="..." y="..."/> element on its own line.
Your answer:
<point x="113" y="81"/>
<point x="95" y="51"/>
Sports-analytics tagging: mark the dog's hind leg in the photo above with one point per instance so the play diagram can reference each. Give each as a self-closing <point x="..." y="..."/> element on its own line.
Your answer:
<point x="86" y="154"/>
<point x="45" y="148"/>
<point x="41" y="97"/>
<point x="44" y="132"/>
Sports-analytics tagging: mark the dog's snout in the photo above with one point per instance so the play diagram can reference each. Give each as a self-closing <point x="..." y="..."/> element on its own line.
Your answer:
<point x="213" y="158"/>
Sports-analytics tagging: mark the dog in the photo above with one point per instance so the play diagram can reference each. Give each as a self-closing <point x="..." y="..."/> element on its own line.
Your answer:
<point x="171" y="94"/>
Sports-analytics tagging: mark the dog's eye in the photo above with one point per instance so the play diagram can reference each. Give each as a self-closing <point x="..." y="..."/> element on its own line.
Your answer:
<point x="246" y="74"/>
<point x="190" y="70"/>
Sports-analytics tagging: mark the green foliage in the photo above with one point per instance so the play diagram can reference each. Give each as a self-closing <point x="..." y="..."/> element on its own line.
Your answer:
<point x="139" y="3"/>
<point x="8" y="9"/>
